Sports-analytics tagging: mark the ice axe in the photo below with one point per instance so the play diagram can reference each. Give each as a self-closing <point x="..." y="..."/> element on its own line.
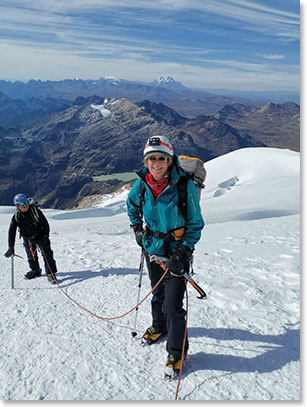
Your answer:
<point x="203" y="295"/>
<point x="161" y="261"/>
<point x="12" y="269"/>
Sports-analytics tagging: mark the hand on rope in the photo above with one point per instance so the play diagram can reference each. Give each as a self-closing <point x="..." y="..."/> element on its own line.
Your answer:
<point x="177" y="260"/>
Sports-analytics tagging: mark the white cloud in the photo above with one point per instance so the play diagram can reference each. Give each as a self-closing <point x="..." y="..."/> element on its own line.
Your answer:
<point x="55" y="39"/>
<point x="252" y="16"/>
<point x="270" y="56"/>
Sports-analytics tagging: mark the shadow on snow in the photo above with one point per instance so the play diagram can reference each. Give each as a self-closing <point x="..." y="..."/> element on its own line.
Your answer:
<point x="279" y="351"/>
<point x="75" y="277"/>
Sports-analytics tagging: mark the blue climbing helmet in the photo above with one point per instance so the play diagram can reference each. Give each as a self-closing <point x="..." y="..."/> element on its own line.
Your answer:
<point x="20" y="199"/>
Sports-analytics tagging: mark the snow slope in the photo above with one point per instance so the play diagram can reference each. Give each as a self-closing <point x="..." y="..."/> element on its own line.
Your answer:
<point x="244" y="339"/>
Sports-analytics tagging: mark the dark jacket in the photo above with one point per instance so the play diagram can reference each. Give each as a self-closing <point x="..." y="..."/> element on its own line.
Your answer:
<point x="32" y="225"/>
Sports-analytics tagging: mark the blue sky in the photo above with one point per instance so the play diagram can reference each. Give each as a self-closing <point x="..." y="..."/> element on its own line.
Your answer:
<point x="230" y="44"/>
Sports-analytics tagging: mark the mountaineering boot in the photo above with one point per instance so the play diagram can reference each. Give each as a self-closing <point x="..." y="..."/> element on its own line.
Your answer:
<point x="152" y="335"/>
<point x="52" y="278"/>
<point x="33" y="273"/>
<point x="172" y="366"/>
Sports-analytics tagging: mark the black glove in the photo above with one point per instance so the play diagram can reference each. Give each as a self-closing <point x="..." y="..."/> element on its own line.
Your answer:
<point x="10" y="252"/>
<point x="179" y="260"/>
<point x="138" y="231"/>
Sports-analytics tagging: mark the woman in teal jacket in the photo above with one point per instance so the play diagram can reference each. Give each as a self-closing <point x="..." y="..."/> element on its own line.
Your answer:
<point x="155" y="196"/>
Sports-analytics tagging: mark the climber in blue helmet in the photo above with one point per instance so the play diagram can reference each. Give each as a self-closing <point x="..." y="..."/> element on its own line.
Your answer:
<point x="34" y="229"/>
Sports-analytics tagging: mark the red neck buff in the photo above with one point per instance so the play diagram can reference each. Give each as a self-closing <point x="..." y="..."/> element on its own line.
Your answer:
<point x="156" y="186"/>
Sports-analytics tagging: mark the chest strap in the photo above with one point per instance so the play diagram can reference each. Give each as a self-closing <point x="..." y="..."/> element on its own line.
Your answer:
<point x="172" y="235"/>
<point x="156" y="234"/>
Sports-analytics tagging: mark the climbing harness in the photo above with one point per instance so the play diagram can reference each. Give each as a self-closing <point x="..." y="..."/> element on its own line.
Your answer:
<point x="161" y="260"/>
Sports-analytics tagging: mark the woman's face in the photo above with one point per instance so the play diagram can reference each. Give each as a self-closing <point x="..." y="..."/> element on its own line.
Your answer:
<point x="157" y="165"/>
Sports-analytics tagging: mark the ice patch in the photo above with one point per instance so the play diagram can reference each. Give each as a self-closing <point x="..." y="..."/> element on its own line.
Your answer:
<point x="226" y="186"/>
<point x="105" y="112"/>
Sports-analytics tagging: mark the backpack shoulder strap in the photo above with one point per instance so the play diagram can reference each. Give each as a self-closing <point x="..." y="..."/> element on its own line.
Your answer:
<point x="17" y="216"/>
<point x="182" y="186"/>
<point x="141" y="196"/>
<point x="34" y="213"/>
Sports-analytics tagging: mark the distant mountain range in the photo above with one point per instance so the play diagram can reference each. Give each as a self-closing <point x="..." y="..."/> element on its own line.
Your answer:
<point x="55" y="157"/>
<point x="188" y="102"/>
<point x="17" y="111"/>
<point x="56" y="136"/>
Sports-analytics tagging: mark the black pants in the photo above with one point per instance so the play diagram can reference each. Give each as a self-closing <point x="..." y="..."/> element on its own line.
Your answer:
<point x="47" y="253"/>
<point x="167" y="310"/>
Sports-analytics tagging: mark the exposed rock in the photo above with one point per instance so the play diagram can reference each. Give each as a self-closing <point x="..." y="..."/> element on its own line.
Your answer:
<point x="276" y="125"/>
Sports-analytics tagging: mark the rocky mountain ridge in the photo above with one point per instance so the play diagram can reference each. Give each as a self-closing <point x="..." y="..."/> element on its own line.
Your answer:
<point x="275" y="124"/>
<point x="55" y="158"/>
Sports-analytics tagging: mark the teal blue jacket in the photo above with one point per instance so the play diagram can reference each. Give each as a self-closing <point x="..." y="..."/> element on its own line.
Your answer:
<point x="162" y="214"/>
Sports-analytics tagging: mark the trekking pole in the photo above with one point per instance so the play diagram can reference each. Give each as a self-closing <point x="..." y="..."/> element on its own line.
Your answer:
<point x="12" y="272"/>
<point x="141" y="267"/>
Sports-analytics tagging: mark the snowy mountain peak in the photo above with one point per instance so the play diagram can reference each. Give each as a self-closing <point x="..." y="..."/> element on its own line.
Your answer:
<point x="167" y="82"/>
<point x="165" y="79"/>
<point x="110" y="79"/>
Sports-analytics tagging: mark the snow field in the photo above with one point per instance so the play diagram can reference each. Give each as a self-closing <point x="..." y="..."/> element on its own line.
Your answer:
<point x="244" y="339"/>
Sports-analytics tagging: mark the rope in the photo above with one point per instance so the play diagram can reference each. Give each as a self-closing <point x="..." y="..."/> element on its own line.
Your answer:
<point x="162" y="264"/>
<point x="87" y="310"/>
<point x="184" y="341"/>
<point x="126" y="313"/>
<point x="33" y="253"/>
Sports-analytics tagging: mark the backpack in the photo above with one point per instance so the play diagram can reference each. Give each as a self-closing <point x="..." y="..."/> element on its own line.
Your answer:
<point x="194" y="169"/>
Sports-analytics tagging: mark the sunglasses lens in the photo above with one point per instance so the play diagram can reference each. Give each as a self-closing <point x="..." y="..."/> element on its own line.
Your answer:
<point x="23" y="203"/>
<point x="155" y="159"/>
